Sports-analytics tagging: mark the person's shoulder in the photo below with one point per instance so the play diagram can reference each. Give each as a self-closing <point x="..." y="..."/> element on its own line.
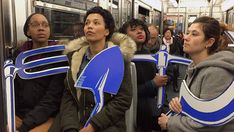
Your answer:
<point x="217" y="72"/>
<point x="25" y="45"/>
<point x="21" y="47"/>
<point x="144" y="51"/>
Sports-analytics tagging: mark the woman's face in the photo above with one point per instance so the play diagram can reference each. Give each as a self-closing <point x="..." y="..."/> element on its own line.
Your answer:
<point x="194" y="40"/>
<point x="137" y="33"/>
<point x="94" y="28"/>
<point x="167" y="35"/>
<point x="39" y="29"/>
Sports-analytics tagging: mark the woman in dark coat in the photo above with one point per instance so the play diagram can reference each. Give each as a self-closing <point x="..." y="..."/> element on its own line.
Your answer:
<point x="148" y="81"/>
<point x="77" y="104"/>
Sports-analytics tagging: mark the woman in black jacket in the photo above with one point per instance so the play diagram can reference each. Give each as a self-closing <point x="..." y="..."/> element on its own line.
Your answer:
<point x="37" y="100"/>
<point x="147" y="80"/>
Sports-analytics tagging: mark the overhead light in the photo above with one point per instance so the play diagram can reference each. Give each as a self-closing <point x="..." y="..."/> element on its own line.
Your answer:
<point x="194" y="3"/>
<point x="227" y="4"/>
<point x="214" y="2"/>
<point x="113" y="5"/>
<point x="174" y="3"/>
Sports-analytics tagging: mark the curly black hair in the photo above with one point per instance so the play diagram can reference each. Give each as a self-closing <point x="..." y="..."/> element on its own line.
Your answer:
<point x="108" y="19"/>
<point x="133" y="23"/>
<point x="26" y="24"/>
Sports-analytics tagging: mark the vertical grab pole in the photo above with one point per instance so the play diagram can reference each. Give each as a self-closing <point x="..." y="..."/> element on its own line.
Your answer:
<point x="162" y="63"/>
<point x="9" y="72"/>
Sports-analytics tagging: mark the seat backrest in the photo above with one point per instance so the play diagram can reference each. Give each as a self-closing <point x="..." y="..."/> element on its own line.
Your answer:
<point x="130" y="115"/>
<point x="231" y="46"/>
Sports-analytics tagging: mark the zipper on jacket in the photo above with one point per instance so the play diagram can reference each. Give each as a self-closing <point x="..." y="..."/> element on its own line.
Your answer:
<point x="70" y="90"/>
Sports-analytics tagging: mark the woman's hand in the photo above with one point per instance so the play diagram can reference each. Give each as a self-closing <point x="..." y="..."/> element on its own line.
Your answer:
<point x="89" y="128"/>
<point x="162" y="121"/>
<point x="175" y="105"/>
<point x="18" y="122"/>
<point x="160" y="80"/>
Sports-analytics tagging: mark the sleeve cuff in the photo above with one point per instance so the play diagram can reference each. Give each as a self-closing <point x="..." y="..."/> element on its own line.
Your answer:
<point x="154" y="86"/>
<point x="153" y="83"/>
<point x="96" y="128"/>
<point x="23" y="128"/>
<point x="72" y="130"/>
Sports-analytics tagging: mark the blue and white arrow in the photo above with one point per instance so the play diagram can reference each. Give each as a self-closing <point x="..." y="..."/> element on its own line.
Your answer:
<point x="104" y="73"/>
<point x="161" y="59"/>
<point x="217" y="111"/>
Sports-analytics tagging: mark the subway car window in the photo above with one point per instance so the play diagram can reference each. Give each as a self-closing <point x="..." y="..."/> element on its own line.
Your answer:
<point x="143" y="14"/>
<point x="66" y="17"/>
<point x="114" y="7"/>
<point x="81" y="4"/>
<point x="62" y="23"/>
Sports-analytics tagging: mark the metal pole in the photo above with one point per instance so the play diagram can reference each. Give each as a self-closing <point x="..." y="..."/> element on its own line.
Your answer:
<point x="120" y="8"/>
<point x="111" y="10"/>
<point x="162" y="16"/>
<point x="211" y="8"/>
<point x="8" y="38"/>
<point x="178" y="19"/>
<point x="133" y="8"/>
<point x="2" y="91"/>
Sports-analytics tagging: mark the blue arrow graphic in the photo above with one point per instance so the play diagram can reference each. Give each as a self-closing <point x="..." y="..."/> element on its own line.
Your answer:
<point x="104" y="73"/>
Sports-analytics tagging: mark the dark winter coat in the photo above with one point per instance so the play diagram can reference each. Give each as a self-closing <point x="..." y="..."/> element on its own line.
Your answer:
<point x="147" y="111"/>
<point x="37" y="99"/>
<point x="74" y="112"/>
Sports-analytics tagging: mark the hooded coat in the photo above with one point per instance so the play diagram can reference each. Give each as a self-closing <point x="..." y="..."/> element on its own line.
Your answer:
<point x="206" y="80"/>
<point x="77" y="104"/>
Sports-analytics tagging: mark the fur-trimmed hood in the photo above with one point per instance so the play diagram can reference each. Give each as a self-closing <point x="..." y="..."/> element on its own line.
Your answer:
<point x="80" y="45"/>
<point x="126" y="44"/>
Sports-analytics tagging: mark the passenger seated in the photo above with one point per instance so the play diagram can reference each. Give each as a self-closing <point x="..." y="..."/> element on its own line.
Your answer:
<point x="208" y="76"/>
<point x="77" y="104"/>
<point x="37" y="100"/>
